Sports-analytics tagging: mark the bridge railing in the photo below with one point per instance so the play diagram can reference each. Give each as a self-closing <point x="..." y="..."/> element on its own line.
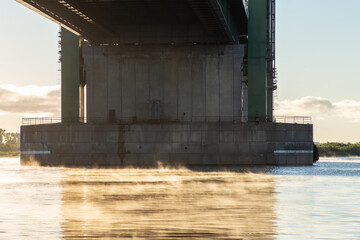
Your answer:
<point x="53" y="120"/>
<point x="293" y="119"/>
<point x="40" y="121"/>
<point x="208" y="119"/>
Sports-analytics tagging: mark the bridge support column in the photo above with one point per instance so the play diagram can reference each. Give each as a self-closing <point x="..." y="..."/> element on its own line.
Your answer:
<point x="71" y="89"/>
<point x="257" y="53"/>
<point x="270" y="103"/>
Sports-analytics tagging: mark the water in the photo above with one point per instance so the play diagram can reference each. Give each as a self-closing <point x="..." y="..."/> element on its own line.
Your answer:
<point x="319" y="202"/>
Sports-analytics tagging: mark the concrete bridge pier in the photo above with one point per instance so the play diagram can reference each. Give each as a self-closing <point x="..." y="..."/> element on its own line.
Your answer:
<point x="180" y="82"/>
<point x="169" y="105"/>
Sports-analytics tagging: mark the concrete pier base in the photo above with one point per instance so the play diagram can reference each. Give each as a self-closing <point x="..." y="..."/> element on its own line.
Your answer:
<point x="184" y="144"/>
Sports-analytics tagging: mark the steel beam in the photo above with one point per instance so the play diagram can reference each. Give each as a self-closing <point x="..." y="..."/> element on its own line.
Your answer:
<point x="257" y="53"/>
<point x="70" y="18"/>
<point x="224" y="16"/>
<point x="106" y="22"/>
<point x="70" y="76"/>
<point x="272" y="82"/>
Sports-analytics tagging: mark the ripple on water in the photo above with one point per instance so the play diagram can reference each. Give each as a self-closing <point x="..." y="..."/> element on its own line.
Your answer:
<point x="135" y="203"/>
<point x="317" y="202"/>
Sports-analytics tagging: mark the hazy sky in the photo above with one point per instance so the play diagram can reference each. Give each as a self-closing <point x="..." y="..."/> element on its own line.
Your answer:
<point x="318" y="51"/>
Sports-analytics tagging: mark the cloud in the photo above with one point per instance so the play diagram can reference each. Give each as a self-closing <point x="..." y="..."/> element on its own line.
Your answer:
<point x="30" y="100"/>
<point x="44" y="101"/>
<point x="319" y="107"/>
<point x="349" y="109"/>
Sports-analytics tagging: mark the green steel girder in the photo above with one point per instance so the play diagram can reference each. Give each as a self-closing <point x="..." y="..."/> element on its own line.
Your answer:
<point x="257" y="55"/>
<point x="222" y="9"/>
<point x="70" y="76"/>
<point x="271" y="68"/>
<point x="222" y="17"/>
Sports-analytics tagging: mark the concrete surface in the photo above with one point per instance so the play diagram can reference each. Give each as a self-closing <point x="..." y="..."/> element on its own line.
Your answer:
<point x="182" y="143"/>
<point x="189" y="82"/>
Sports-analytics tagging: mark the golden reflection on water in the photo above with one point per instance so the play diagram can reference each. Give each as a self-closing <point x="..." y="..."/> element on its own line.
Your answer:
<point x="167" y="204"/>
<point x="319" y="202"/>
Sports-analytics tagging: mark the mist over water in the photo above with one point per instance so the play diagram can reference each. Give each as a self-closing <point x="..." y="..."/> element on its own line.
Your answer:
<point x="317" y="202"/>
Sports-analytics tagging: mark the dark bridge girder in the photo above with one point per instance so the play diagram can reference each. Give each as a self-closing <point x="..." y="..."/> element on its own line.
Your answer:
<point x="106" y="21"/>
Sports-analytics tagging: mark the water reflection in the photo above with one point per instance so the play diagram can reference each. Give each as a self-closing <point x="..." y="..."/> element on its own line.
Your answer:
<point x="30" y="201"/>
<point x="167" y="204"/>
<point x="319" y="202"/>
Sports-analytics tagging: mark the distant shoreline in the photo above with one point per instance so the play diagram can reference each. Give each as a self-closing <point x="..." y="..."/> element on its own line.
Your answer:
<point x="9" y="144"/>
<point x="10" y="154"/>
<point x="334" y="149"/>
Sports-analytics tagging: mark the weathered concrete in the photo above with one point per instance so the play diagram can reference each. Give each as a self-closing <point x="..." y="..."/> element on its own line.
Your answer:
<point x="224" y="144"/>
<point x="189" y="82"/>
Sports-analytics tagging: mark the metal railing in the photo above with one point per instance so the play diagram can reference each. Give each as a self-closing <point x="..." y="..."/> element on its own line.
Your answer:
<point x="40" y="121"/>
<point x="207" y="119"/>
<point x="293" y="119"/>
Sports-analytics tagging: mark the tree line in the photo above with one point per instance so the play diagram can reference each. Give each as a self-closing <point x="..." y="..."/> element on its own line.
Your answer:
<point x="9" y="144"/>
<point x="334" y="149"/>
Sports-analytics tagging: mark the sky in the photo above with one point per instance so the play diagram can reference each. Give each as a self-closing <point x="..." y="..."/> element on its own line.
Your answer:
<point x="317" y="57"/>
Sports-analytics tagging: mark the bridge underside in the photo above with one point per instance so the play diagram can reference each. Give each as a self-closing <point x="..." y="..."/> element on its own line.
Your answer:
<point x="148" y="21"/>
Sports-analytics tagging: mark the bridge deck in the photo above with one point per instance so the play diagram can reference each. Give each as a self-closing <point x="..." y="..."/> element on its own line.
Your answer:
<point x="148" y="21"/>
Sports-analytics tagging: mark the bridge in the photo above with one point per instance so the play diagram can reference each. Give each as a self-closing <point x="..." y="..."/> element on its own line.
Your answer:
<point x="123" y="21"/>
<point x="116" y="22"/>
<point x="162" y="66"/>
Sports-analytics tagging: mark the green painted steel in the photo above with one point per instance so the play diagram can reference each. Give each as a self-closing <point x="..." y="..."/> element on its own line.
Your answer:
<point x="70" y="76"/>
<point x="257" y="55"/>
<point x="225" y="8"/>
<point x="270" y="103"/>
<point x="272" y="84"/>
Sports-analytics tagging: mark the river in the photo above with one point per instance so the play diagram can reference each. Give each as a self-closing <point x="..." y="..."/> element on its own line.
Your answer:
<point x="318" y="202"/>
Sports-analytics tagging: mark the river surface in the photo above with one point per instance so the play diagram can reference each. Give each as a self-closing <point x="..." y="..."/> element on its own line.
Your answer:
<point x="319" y="202"/>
